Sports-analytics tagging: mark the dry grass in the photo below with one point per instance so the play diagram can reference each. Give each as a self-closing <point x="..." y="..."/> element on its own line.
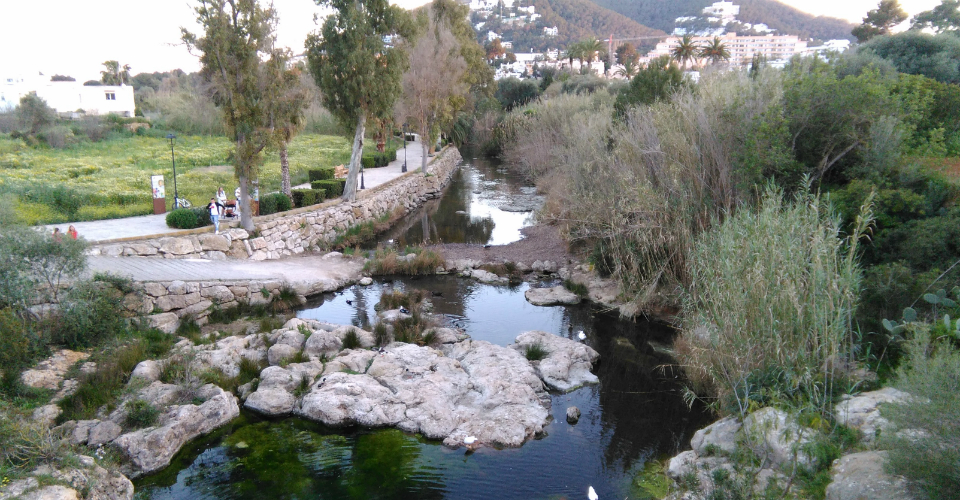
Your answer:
<point x="388" y="261"/>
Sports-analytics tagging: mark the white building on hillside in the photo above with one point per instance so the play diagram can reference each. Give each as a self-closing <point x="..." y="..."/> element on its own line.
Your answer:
<point x="554" y="31"/>
<point x="723" y="11"/>
<point x="742" y="48"/>
<point x="69" y="97"/>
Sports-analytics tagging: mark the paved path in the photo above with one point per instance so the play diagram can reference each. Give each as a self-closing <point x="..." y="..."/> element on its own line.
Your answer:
<point x="310" y="268"/>
<point x="149" y="225"/>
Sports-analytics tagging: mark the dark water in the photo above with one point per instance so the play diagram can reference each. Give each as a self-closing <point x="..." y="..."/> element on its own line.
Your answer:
<point x="634" y="414"/>
<point x="469" y="211"/>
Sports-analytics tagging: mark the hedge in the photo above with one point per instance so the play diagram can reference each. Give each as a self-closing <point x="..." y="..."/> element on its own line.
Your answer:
<point x="273" y="203"/>
<point x="333" y="188"/>
<point x="307" y="197"/>
<point x="182" y="218"/>
<point x="369" y="160"/>
<point x="321" y="174"/>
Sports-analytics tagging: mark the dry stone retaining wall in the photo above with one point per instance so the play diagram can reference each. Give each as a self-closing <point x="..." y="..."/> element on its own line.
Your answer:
<point x="296" y="233"/>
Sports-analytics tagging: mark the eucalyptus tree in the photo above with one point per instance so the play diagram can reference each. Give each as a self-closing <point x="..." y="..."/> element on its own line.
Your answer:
<point x="357" y="71"/>
<point x="685" y="51"/>
<point x="114" y="74"/>
<point x="880" y="21"/>
<point x="238" y="37"/>
<point x="286" y="113"/>
<point x="944" y="18"/>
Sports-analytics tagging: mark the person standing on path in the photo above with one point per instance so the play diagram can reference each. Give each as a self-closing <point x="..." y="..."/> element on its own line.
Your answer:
<point x="221" y="196"/>
<point x="215" y="209"/>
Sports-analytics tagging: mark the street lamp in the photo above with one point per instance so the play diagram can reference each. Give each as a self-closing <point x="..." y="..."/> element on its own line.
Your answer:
<point x="404" y="169"/>
<point x="176" y="195"/>
<point x="361" y="172"/>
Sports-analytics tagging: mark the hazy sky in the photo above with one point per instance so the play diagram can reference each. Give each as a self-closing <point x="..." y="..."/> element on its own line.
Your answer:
<point x="73" y="37"/>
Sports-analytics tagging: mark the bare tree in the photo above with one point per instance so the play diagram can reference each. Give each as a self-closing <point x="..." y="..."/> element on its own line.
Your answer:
<point x="433" y="87"/>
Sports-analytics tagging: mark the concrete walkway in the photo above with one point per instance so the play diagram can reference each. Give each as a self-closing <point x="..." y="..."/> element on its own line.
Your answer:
<point x="311" y="268"/>
<point x="151" y="225"/>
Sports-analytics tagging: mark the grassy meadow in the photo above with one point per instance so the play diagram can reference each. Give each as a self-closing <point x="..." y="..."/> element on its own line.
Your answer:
<point x="111" y="178"/>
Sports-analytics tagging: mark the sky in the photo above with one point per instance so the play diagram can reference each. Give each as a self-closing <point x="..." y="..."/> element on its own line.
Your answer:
<point x="74" y="37"/>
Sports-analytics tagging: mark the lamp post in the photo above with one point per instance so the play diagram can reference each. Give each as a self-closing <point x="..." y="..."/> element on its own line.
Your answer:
<point x="361" y="172"/>
<point x="176" y="195"/>
<point x="404" y="169"/>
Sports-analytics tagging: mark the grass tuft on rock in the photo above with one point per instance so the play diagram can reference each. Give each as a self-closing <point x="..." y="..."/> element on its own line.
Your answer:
<point x="535" y="352"/>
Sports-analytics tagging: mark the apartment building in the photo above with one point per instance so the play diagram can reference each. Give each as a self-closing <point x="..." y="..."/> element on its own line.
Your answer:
<point x="742" y="48"/>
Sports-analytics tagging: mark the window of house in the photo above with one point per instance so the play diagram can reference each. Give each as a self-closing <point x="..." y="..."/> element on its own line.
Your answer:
<point x="111" y="96"/>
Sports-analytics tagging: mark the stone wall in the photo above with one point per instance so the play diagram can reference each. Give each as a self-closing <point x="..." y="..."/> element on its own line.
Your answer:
<point x="298" y="231"/>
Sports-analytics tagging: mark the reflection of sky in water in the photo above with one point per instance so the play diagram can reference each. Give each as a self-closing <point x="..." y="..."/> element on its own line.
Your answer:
<point x="506" y="225"/>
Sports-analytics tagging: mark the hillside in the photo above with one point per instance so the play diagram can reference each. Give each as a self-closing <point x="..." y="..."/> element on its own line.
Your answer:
<point x="660" y="14"/>
<point x="575" y="19"/>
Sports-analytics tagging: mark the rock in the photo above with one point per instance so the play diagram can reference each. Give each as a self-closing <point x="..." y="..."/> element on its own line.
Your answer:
<point x="366" y="281"/>
<point x="720" y="435"/>
<point x="861" y="476"/>
<point x="332" y="256"/>
<point x="573" y="415"/>
<point x="680" y="464"/>
<point x="775" y="437"/>
<point x="280" y="353"/>
<point x="18" y="487"/>
<point x="49" y="373"/>
<point x="52" y="493"/>
<point x="225" y="355"/>
<point x="323" y="343"/>
<point x="551" y="296"/>
<point x="103" y="433"/>
<point x="151" y="449"/>
<point x="862" y="412"/>
<point x="47" y="414"/>
<point x="567" y="364"/>
<point x="488" y="277"/>
<point x="81" y="432"/>
<point x="214" y="242"/>
<point x="176" y="246"/>
<point x="148" y="370"/>
<point x="167" y="322"/>
<point x="446" y="335"/>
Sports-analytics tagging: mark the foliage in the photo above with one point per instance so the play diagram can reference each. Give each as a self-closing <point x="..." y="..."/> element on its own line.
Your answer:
<point x="435" y="87"/>
<point x="583" y="84"/>
<point x="273" y="203"/>
<point x="351" y="340"/>
<point x="114" y="74"/>
<point x="91" y="314"/>
<point x="332" y="188"/>
<point x="321" y="174"/>
<point x="395" y="299"/>
<point x="238" y="36"/>
<point x="357" y="73"/>
<point x="918" y="53"/>
<point x="513" y="92"/>
<point x="715" y="51"/>
<point x="781" y="310"/>
<point x="685" y="51"/>
<point x="880" y="21"/>
<point x="660" y="79"/>
<point x="34" y="115"/>
<point x="182" y="218"/>
<point x="386" y="262"/>
<point x="307" y="197"/>
<point x="535" y="352"/>
<point x="455" y="17"/>
<point x="140" y="414"/>
<point x="944" y="18"/>
<point x="926" y="452"/>
<point x="33" y="264"/>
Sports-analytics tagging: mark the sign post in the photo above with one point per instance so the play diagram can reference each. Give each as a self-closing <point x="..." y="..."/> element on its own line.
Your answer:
<point x="159" y="195"/>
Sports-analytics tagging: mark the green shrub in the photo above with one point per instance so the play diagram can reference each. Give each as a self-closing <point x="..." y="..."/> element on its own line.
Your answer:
<point x="321" y="174"/>
<point x="273" y="203"/>
<point x="182" y="218"/>
<point x="535" y="352"/>
<point x="203" y="216"/>
<point x="928" y="454"/>
<point x="91" y="314"/>
<point x="18" y="344"/>
<point x="391" y="155"/>
<point x="771" y="296"/>
<point x="332" y="188"/>
<point x="140" y="414"/>
<point x="351" y="340"/>
<point x="369" y="161"/>
<point x="307" y="197"/>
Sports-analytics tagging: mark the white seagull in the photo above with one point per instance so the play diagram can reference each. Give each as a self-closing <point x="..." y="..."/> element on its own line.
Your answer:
<point x="469" y="440"/>
<point x="592" y="494"/>
<point x="581" y="335"/>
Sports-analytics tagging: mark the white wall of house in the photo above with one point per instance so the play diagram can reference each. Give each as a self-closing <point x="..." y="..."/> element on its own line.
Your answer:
<point x="67" y="97"/>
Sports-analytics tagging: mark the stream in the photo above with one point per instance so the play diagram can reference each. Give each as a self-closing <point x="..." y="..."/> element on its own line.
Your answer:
<point x="634" y="415"/>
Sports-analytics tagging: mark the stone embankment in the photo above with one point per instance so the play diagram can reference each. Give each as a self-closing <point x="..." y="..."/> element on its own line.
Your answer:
<point x="777" y="440"/>
<point x="302" y="230"/>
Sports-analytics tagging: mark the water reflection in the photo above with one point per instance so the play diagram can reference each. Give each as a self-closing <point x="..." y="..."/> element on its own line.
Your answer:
<point x="469" y="210"/>
<point x="635" y="413"/>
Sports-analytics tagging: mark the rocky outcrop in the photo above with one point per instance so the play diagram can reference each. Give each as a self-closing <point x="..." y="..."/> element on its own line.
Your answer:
<point x="551" y="296"/>
<point x="457" y="391"/>
<point x="861" y="475"/>
<point x="49" y="373"/>
<point x="862" y="412"/>
<point x="94" y="481"/>
<point x="151" y="449"/>
<point x="567" y="364"/>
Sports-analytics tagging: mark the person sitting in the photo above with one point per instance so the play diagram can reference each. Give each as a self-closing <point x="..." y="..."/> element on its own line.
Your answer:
<point x="72" y="232"/>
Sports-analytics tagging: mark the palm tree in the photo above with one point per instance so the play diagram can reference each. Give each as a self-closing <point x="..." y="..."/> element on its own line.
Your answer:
<point x="591" y="51"/>
<point x="628" y="70"/>
<point x="575" y="51"/>
<point x="685" y="51"/>
<point x="716" y="51"/>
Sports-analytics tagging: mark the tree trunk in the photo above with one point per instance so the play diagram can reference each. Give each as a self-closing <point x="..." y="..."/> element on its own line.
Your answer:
<point x="424" y="147"/>
<point x="246" y="212"/>
<point x="350" y="189"/>
<point x="284" y="170"/>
